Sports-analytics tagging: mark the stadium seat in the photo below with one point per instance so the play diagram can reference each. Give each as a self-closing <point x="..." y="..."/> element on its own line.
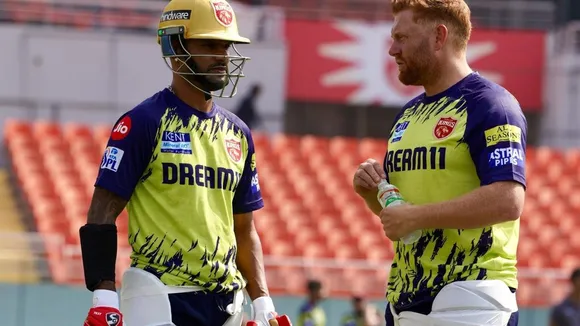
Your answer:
<point x="310" y="211"/>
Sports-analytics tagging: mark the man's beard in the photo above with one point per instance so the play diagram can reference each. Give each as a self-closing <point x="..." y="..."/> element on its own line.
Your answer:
<point x="205" y="82"/>
<point x="418" y="69"/>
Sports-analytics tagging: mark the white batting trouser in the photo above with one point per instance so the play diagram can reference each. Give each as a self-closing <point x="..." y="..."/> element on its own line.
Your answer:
<point x="465" y="303"/>
<point x="144" y="300"/>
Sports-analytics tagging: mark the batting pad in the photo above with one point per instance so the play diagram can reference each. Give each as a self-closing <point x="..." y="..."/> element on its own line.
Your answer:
<point x="145" y="300"/>
<point x="466" y="303"/>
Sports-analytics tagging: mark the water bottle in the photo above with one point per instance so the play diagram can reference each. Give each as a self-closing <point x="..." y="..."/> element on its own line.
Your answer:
<point x="389" y="195"/>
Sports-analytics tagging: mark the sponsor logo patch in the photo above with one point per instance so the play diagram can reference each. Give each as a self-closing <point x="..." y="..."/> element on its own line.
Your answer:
<point x="122" y="129"/>
<point x="112" y="158"/>
<point x="175" y="15"/>
<point x="223" y="12"/>
<point x="444" y="127"/>
<point x="506" y="156"/>
<point x="399" y="131"/>
<point x="503" y="133"/>
<point x="176" y="142"/>
<point x="253" y="162"/>
<point x="113" y="319"/>
<point x="255" y="184"/>
<point x="234" y="149"/>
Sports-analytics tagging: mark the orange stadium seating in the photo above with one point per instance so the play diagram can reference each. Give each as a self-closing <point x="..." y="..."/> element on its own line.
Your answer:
<point x="311" y="210"/>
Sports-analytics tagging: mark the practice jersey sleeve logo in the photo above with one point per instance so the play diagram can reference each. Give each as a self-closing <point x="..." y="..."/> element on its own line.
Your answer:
<point x="253" y="162"/>
<point x="122" y="129"/>
<point x="503" y="133"/>
<point x="399" y="131"/>
<point x="506" y="156"/>
<point x="255" y="184"/>
<point x="444" y="127"/>
<point x="176" y="142"/>
<point x="112" y="158"/>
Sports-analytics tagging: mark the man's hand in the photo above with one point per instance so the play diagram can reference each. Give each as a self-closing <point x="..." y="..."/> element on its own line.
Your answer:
<point x="367" y="177"/>
<point x="105" y="310"/>
<point x="278" y="321"/>
<point x="264" y="312"/>
<point x="104" y="316"/>
<point x="399" y="221"/>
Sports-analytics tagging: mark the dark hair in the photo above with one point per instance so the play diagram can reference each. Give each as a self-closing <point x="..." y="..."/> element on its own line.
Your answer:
<point x="575" y="275"/>
<point x="314" y="285"/>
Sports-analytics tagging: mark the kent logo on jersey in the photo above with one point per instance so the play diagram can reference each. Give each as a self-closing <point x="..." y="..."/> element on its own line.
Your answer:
<point x="176" y="142"/>
<point x="112" y="158"/>
<point x="399" y="131"/>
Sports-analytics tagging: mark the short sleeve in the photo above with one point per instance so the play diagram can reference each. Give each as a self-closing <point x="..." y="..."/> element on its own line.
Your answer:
<point x="128" y="153"/>
<point x="248" y="197"/>
<point x="496" y="133"/>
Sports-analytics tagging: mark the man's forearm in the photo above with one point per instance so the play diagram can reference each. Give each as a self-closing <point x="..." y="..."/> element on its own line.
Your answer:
<point x="374" y="205"/>
<point x="250" y="261"/>
<point x="483" y="207"/>
<point x="100" y="233"/>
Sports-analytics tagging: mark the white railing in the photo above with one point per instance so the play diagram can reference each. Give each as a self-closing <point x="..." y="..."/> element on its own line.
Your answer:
<point x="26" y="255"/>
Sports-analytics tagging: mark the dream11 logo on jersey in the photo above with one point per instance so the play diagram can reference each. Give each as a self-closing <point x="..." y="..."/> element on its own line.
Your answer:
<point x="122" y="129"/>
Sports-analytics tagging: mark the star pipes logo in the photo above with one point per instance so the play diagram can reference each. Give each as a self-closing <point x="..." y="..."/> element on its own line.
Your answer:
<point x="371" y="67"/>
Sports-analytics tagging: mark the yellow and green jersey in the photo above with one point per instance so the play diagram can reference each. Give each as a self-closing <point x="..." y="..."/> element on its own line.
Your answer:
<point x="311" y="315"/>
<point x="442" y="147"/>
<point x="352" y="319"/>
<point x="185" y="174"/>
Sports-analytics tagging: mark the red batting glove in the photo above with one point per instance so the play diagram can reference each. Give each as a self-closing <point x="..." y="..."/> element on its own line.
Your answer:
<point x="278" y="321"/>
<point x="104" y="316"/>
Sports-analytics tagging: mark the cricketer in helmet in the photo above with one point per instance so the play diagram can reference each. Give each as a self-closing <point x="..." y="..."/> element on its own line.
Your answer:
<point x="196" y="41"/>
<point x="185" y="169"/>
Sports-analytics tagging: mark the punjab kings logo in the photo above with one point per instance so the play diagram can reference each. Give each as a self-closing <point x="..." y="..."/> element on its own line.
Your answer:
<point x="444" y="127"/>
<point x="223" y="12"/>
<point x="234" y="149"/>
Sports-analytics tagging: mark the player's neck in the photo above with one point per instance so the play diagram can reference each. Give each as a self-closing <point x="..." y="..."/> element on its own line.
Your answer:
<point x="448" y="76"/>
<point x="195" y="98"/>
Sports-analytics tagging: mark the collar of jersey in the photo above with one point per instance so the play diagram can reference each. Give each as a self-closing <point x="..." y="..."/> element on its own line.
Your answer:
<point x="450" y="91"/>
<point x="173" y="100"/>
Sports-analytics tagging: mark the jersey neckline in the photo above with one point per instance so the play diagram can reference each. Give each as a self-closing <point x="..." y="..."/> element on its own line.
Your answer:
<point x="174" y="100"/>
<point x="452" y="89"/>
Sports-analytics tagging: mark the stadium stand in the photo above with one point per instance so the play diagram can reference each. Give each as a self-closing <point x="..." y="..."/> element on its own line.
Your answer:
<point x="311" y="212"/>
<point x="142" y="15"/>
<point x="16" y="250"/>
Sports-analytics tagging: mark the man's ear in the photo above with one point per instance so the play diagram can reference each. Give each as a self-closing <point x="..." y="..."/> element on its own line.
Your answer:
<point x="441" y="36"/>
